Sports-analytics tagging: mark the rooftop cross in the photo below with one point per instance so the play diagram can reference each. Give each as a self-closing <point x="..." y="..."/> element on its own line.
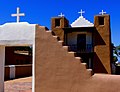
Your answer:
<point x="61" y="15"/>
<point x="81" y="12"/>
<point x="102" y="12"/>
<point x="18" y="14"/>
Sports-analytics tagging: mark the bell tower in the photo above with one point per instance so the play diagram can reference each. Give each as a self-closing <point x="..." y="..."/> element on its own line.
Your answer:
<point x="102" y="43"/>
<point x="57" y="25"/>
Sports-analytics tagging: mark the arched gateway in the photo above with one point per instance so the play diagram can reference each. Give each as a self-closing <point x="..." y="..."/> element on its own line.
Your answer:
<point x="15" y="34"/>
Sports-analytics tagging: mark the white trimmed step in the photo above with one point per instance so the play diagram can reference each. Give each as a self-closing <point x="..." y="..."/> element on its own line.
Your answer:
<point x="84" y="65"/>
<point x="72" y="53"/>
<point x="90" y="71"/>
<point x="61" y="42"/>
<point x="78" y="58"/>
<point x="66" y="47"/>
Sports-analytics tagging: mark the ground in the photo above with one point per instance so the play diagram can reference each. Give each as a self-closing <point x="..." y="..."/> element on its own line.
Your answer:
<point x="19" y="85"/>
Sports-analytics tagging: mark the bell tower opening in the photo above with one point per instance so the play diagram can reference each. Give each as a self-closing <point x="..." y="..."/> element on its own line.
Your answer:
<point x="101" y="20"/>
<point x="57" y="22"/>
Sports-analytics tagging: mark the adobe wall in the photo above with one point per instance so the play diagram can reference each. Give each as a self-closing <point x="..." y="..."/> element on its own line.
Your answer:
<point x="101" y="83"/>
<point x="56" y="70"/>
<point x="102" y="45"/>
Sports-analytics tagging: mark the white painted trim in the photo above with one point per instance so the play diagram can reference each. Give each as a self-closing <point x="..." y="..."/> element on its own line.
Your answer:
<point x="33" y="65"/>
<point x="12" y="71"/>
<point x="33" y="69"/>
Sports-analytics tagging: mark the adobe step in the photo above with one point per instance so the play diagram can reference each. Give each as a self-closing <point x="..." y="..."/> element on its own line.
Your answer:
<point x="72" y="53"/>
<point x="61" y="42"/>
<point x="90" y="71"/>
<point x="49" y="32"/>
<point x="67" y="48"/>
<point x="56" y="38"/>
<point x="85" y="65"/>
<point x="78" y="58"/>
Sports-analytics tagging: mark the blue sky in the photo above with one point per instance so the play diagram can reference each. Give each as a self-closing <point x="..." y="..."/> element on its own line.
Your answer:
<point x="41" y="11"/>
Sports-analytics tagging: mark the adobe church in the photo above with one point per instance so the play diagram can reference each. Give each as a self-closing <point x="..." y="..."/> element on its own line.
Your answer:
<point x="61" y="57"/>
<point x="91" y="42"/>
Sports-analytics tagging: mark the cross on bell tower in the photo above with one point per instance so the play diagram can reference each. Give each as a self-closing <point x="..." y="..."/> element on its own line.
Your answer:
<point x="18" y="15"/>
<point x="81" y="12"/>
<point x="61" y="15"/>
<point x="102" y="13"/>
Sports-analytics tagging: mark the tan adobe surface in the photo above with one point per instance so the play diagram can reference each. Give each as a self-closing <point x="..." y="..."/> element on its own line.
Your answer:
<point x="57" y="70"/>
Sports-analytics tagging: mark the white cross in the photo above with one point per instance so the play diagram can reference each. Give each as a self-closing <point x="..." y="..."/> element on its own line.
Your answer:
<point x="18" y="15"/>
<point x="61" y="15"/>
<point x="102" y="13"/>
<point x="81" y="12"/>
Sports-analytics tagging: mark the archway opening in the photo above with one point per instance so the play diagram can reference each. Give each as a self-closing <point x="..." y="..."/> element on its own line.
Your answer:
<point x="18" y="68"/>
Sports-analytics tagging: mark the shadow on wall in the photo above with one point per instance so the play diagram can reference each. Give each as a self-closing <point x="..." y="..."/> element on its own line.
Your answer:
<point x="98" y="67"/>
<point x="98" y="40"/>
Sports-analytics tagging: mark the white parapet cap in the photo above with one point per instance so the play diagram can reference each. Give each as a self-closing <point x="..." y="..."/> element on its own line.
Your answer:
<point x="82" y="22"/>
<point x="15" y="23"/>
<point x="21" y="33"/>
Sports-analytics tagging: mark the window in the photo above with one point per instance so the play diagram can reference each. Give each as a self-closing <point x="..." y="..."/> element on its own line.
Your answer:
<point x="101" y="20"/>
<point x="57" y="22"/>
